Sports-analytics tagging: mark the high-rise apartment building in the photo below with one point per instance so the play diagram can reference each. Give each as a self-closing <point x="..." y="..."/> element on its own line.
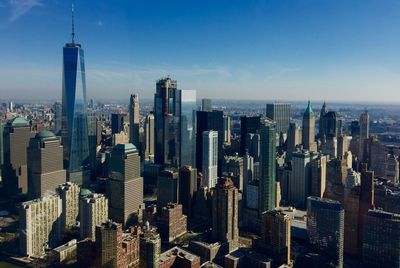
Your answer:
<point x="125" y="185"/>
<point x="167" y="115"/>
<point x="134" y="120"/>
<point x="187" y="188"/>
<point x="381" y="239"/>
<point x="210" y="158"/>
<point x="74" y="113"/>
<point x="45" y="164"/>
<point x="171" y="222"/>
<point x="280" y="113"/>
<point x="93" y="210"/>
<point x="150" y="248"/>
<point x="108" y="247"/>
<point x="267" y="190"/>
<point x="69" y="194"/>
<point x="275" y="232"/>
<point x="225" y="214"/>
<point x="325" y="226"/>
<point x="40" y="225"/>
<point x="16" y="136"/>
<point x="308" y="134"/>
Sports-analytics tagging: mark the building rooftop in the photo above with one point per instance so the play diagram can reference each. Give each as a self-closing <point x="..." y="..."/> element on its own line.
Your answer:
<point x="309" y="109"/>
<point x="45" y="134"/>
<point x="179" y="253"/>
<point x="18" y="122"/>
<point x="125" y="147"/>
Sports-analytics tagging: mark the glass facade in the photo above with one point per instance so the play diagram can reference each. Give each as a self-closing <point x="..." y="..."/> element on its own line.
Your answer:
<point x="188" y="121"/>
<point x="74" y="113"/>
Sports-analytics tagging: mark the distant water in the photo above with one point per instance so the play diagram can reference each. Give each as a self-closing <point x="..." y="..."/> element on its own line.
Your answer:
<point x="9" y="265"/>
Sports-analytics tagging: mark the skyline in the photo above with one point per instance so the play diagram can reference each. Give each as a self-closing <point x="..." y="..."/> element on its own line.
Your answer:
<point x="285" y="51"/>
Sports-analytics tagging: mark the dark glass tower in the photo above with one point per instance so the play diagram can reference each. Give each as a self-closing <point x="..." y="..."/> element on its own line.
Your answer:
<point x="74" y="113"/>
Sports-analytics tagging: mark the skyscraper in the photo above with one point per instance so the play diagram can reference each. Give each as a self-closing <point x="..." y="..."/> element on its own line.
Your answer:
<point x="109" y="252"/>
<point x="308" y="137"/>
<point x="188" y="134"/>
<point x="167" y="115"/>
<point x="318" y="176"/>
<point x="209" y="121"/>
<point x="300" y="179"/>
<point x="248" y="125"/>
<point x="168" y="188"/>
<point x="225" y="214"/>
<point x="117" y="123"/>
<point x="57" y="117"/>
<point x="150" y="248"/>
<point x="187" y="188"/>
<point x="210" y="158"/>
<point x="125" y="186"/>
<point x="93" y="141"/>
<point x="149" y="136"/>
<point x="321" y="120"/>
<point x="74" y="113"/>
<point x="227" y="129"/>
<point x="364" y="132"/>
<point x="16" y="136"/>
<point x="325" y="225"/>
<point x="69" y="194"/>
<point x="206" y="105"/>
<point x="266" y="191"/>
<point x="45" y="164"/>
<point x="134" y="120"/>
<point x="93" y="210"/>
<point x="280" y="113"/>
<point x="293" y="139"/>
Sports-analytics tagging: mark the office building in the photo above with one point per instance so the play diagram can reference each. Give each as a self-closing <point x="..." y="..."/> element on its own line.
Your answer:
<point x="125" y="185"/>
<point x="150" y="248"/>
<point x="188" y="134"/>
<point x="167" y="186"/>
<point x="69" y="194"/>
<point x="267" y="198"/>
<point x="134" y="120"/>
<point x="74" y="113"/>
<point x="167" y="115"/>
<point x="300" y="179"/>
<point x="322" y="113"/>
<point x="227" y="129"/>
<point x="275" y="233"/>
<point x="331" y="125"/>
<point x="225" y="214"/>
<point x="206" y="105"/>
<point x="248" y="170"/>
<point x="280" y="113"/>
<point x="94" y="138"/>
<point x="318" y="175"/>
<point x="293" y="140"/>
<point x="187" y="188"/>
<point x="206" y="121"/>
<point x="57" y="108"/>
<point x="308" y="134"/>
<point x="248" y="125"/>
<point x="210" y="158"/>
<point x="16" y="136"/>
<point x="171" y="222"/>
<point x="364" y="132"/>
<point x="325" y="226"/>
<point x="381" y="239"/>
<point x="45" y="164"/>
<point x="149" y="136"/>
<point x="93" y="210"/>
<point x="1" y="147"/>
<point x="117" y="123"/>
<point x="40" y="225"/>
<point x="233" y="166"/>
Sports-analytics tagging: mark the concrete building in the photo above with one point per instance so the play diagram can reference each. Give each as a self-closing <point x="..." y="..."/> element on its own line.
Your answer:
<point x="206" y="105"/>
<point x="167" y="186"/>
<point x="125" y="185"/>
<point x="248" y="125"/>
<point x="364" y="132"/>
<point x="308" y="135"/>
<point x="40" y="225"/>
<point x="233" y="165"/>
<point x="318" y="176"/>
<point x="150" y="248"/>
<point x="300" y="179"/>
<point x="381" y="239"/>
<point x="177" y="257"/>
<point x="171" y="222"/>
<point x="225" y="214"/>
<point x="65" y="252"/>
<point x="134" y="120"/>
<point x="210" y="158"/>
<point x="293" y="140"/>
<point x="325" y="225"/>
<point x="45" y="164"/>
<point x="16" y="136"/>
<point x="93" y="210"/>
<point x="227" y="130"/>
<point x="246" y="258"/>
<point x="69" y="194"/>
<point x="187" y="188"/>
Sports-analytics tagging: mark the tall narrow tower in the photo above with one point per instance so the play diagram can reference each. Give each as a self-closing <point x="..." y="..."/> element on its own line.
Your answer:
<point x="74" y="112"/>
<point x="308" y="137"/>
<point x="134" y="120"/>
<point x="364" y="132"/>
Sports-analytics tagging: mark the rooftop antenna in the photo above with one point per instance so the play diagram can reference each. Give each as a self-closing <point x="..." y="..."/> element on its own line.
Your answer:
<point x="73" y="25"/>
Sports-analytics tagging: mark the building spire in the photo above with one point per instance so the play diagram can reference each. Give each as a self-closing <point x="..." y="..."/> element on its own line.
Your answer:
<point x="73" y="25"/>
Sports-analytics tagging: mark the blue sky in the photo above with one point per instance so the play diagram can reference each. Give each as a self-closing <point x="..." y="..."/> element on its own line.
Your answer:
<point x="267" y="49"/>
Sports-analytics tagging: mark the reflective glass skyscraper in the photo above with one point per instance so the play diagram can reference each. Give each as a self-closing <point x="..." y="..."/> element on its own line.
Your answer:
<point x="188" y="121"/>
<point x="74" y="113"/>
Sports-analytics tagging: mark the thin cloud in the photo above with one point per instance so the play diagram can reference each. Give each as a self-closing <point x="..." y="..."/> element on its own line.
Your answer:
<point x="21" y="7"/>
<point x="100" y="23"/>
